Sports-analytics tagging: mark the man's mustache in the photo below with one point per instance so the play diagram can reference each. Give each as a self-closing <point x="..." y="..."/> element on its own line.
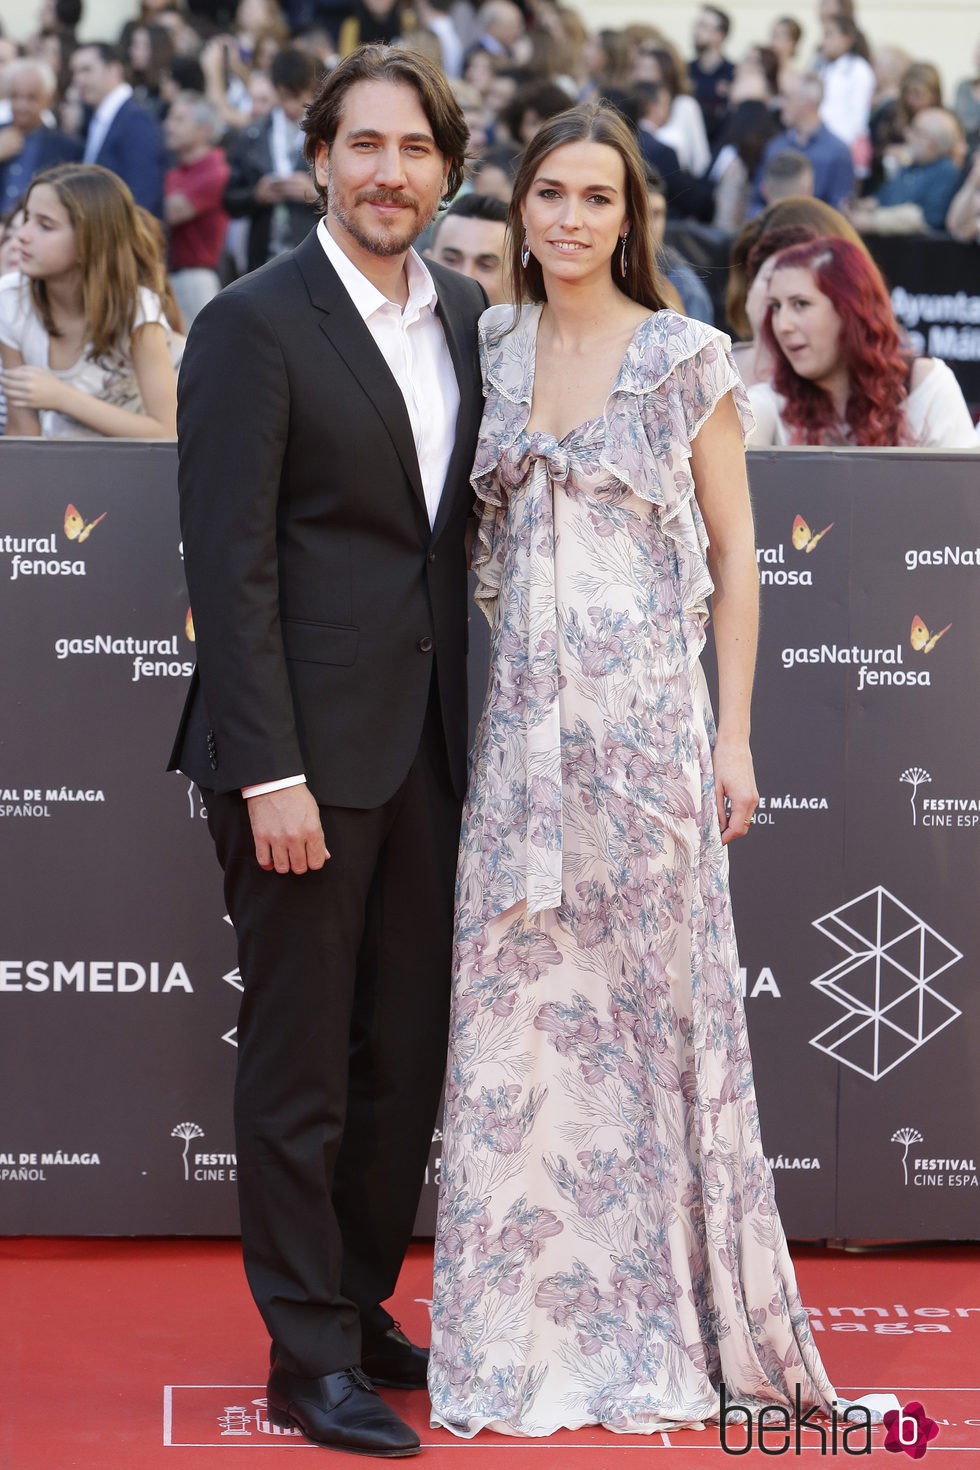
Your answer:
<point x="387" y="196"/>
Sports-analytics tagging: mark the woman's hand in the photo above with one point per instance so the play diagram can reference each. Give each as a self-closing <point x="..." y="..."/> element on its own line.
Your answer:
<point x="718" y="462"/>
<point x="735" y="789"/>
<point x="32" y="387"/>
<point x="757" y="299"/>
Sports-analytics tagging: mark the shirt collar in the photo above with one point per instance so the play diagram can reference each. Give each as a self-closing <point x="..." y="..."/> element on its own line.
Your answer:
<point x="365" y="295"/>
<point x="112" y="102"/>
<point x="804" y="138"/>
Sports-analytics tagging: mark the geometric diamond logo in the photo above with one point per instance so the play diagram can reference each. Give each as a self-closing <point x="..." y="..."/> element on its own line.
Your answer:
<point x="233" y="978"/>
<point x="884" y="983"/>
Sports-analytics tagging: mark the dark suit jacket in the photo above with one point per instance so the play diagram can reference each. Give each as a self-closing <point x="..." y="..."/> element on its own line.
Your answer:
<point x="133" y="148"/>
<point x="249" y="159"/>
<point x="48" y="147"/>
<point x="679" y="186"/>
<point x="320" y="594"/>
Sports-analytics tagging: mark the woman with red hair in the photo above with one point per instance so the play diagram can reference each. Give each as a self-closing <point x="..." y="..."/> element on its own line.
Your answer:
<point x="841" y="371"/>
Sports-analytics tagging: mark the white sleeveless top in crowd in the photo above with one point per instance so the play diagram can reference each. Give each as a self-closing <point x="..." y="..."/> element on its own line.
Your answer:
<point x="111" y="378"/>
<point x="936" y="410"/>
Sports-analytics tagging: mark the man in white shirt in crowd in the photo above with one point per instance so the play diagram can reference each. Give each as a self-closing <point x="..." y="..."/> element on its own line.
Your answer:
<point x="121" y="135"/>
<point x="269" y="183"/>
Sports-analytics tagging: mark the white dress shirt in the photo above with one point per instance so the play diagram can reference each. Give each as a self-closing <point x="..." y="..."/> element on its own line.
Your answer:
<point x="103" y="118"/>
<point x="413" y="344"/>
<point x="453" y="51"/>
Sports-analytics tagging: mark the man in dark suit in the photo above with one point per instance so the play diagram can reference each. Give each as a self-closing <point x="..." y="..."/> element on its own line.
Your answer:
<point x="269" y="183"/>
<point x="121" y="135"/>
<point x="649" y="103"/>
<point x="329" y="405"/>
<point x="27" y="146"/>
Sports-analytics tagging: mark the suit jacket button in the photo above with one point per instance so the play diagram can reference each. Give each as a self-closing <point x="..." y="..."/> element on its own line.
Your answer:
<point x="432" y="557"/>
<point x="425" y="645"/>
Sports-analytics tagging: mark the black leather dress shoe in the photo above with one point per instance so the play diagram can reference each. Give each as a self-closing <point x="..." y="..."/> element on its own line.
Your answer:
<point x="391" y="1361"/>
<point x="340" y="1410"/>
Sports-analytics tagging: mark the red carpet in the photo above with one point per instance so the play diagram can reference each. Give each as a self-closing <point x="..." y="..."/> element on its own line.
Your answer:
<point x="148" y="1355"/>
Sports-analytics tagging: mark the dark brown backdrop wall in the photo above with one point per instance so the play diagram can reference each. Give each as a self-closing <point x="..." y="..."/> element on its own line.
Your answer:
<point x="856" y="892"/>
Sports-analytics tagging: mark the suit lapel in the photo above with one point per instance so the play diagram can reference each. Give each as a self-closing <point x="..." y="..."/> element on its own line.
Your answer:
<point x="350" y="337"/>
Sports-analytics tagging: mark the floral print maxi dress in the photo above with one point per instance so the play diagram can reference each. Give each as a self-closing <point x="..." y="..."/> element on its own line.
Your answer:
<point x="608" y="1248"/>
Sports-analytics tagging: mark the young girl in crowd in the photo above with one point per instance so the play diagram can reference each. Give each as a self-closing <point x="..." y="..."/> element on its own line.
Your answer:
<point x="840" y="371"/>
<point x="83" y="336"/>
<point x="10" y="251"/>
<point x="9" y="261"/>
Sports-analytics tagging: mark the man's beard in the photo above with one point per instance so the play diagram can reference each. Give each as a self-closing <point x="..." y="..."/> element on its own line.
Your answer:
<point x="386" y="241"/>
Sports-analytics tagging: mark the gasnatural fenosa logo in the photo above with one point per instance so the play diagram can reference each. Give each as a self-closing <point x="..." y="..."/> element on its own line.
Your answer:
<point x="803" y="537"/>
<point x="37" y="556"/>
<point x="920" y="637"/>
<point x="774" y="571"/>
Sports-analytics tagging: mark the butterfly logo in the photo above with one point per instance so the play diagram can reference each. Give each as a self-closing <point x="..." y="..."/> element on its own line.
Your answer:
<point x="75" y="527"/>
<point x="803" y="537"/>
<point x="921" y="639"/>
<point x="189" y="626"/>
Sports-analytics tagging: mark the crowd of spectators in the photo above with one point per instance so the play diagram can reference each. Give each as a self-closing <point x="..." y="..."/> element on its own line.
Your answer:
<point x="196" y="105"/>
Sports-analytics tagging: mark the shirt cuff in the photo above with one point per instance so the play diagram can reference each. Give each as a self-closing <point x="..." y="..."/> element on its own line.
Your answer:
<point x="262" y="788"/>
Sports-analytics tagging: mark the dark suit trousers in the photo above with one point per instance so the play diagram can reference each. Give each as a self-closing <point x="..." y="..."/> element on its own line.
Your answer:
<point x="341" y="1053"/>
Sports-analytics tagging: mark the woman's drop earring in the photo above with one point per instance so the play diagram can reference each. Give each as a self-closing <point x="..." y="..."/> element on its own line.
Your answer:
<point x="622" y="254"/>
<point x="525" y="252"/>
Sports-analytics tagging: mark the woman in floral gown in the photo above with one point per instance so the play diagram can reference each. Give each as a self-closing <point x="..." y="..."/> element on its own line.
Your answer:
<point x="608" y="1248"/>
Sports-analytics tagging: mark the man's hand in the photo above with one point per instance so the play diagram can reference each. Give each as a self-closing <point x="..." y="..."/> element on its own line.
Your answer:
<point x="287" y="831"/>
<point x="178" y="209"/>
<point x="861" y="213"/>
<point x="11" y="143"/>
<point x="298" y="188"/>
<point x="268" y="190"/>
